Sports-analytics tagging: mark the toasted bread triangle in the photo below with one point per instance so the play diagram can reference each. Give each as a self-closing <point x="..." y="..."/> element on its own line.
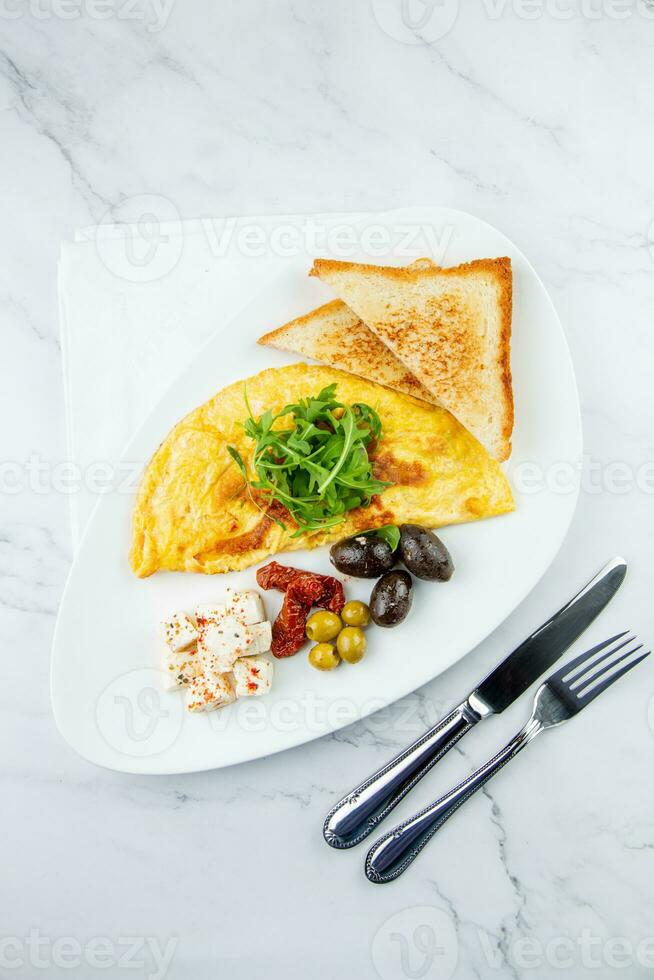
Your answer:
<point x="450" y="327"/>
<point x="334" y="335"/>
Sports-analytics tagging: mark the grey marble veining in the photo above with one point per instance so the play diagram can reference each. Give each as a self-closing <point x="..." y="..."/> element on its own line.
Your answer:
<point x="538" y="122"/>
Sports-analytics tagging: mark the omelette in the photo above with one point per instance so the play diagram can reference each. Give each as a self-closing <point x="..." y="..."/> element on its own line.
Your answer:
<point x="194" y="511"/>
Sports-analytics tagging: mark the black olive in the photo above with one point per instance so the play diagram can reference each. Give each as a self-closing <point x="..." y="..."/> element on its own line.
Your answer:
<point x="424" y="554"/>
<point x="363" y="556"/>
<point x="391" y="598"/>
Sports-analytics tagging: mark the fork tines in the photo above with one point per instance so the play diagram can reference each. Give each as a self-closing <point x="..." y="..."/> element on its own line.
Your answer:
<point x="588" y="675"/>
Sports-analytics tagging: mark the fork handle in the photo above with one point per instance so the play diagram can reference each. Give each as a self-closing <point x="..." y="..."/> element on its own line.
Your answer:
<point x="358" y="813"/>
<point x="395" y="851"/>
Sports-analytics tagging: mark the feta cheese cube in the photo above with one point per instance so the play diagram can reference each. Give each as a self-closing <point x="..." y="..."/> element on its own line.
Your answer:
<point x="252" y="676"/>
<point x="209" y="613"/>
<point x="179" y="632"/>
<point x="220" y="644"/>
<point x="208" y="692"/>
<point x="258" y="638"/>
<point x="180" y="668"/>
<point x="246" y="606"/>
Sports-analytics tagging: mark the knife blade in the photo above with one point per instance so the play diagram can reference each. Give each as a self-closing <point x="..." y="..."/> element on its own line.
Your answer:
<point x="539" y="651"/>
<point x="354" y="817"/>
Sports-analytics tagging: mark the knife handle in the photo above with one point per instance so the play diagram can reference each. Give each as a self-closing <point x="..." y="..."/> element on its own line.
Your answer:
<point x="395" y="851"/>
<point x="358" y="814"/>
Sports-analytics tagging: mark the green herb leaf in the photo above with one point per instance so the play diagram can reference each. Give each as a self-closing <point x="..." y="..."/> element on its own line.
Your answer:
<point x="389" y="533"/>
<point x="319" y="467"/>
<point x="238" y="459"/>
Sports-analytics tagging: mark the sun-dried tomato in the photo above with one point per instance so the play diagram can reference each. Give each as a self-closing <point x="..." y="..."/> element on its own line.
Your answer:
<point x="303" y="590"/>
<point x="329" y="596"/>
<point x="276" y="576"/>
<point x="288" y="628"/>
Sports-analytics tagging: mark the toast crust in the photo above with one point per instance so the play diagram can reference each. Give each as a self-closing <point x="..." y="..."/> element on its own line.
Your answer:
<point x="421" y="268"/>
<point x="505" y="274"/>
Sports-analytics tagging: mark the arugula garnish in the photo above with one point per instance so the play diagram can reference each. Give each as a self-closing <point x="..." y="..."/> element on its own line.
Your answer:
<point x="319" y="467"/>
<point x="388" y="532"/>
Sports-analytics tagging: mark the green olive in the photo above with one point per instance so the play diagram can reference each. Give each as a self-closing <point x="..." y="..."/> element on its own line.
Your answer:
<point x="355" y="613"/>
<point x="323" y="656"/>
<point x="323" y="626"/>
<point x="351" y="644"/>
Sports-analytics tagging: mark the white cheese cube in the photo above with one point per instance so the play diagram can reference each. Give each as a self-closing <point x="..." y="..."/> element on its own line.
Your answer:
<point x="246" y="606"/>
<point x="209" y="613"/>
<point x="206" y="693"/>
<point x="179" y="632"/>
<point x="252" y="676"/>
<point x="220" y="644"/>
<point x="180" y="668"/>
<point x="258" y="638"/>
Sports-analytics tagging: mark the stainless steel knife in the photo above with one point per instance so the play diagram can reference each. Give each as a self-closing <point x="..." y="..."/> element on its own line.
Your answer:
<point x="363" y="809"/>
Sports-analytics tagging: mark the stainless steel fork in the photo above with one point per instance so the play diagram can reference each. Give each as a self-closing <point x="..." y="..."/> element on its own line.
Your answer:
<point x="563" y="695"/>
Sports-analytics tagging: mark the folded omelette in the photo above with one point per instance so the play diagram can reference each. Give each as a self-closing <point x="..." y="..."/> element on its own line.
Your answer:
<point x="195" y="513"/>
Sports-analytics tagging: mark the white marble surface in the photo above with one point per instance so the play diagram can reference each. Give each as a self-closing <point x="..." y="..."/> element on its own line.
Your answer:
<point x="536" y="121"/>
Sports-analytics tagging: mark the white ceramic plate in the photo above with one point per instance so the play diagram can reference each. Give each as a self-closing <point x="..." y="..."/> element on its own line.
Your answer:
<point x="105" y="664"/>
